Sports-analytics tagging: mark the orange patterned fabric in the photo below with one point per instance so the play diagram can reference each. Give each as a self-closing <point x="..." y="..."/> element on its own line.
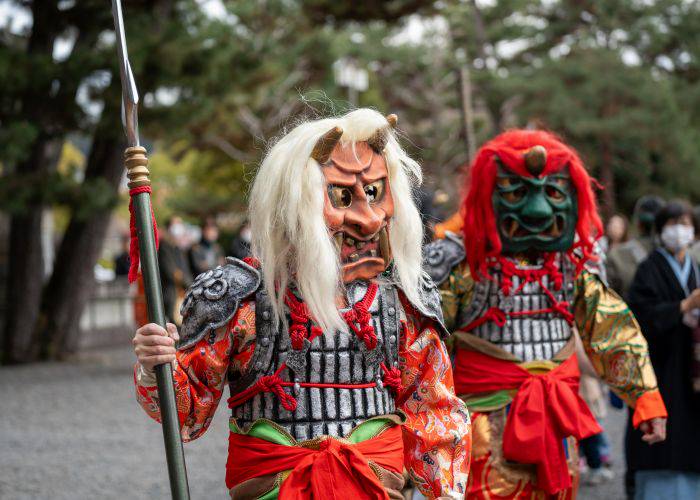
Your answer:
<point x="493" y="477"/>
<point x="437" y="431"/>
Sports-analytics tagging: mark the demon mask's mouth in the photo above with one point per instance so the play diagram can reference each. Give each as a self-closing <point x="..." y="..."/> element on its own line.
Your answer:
<point x="354" y="251"/>
<point x="525" y="227"/>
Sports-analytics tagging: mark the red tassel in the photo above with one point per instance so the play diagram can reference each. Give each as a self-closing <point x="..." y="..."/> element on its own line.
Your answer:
<point x="134" y="243"/>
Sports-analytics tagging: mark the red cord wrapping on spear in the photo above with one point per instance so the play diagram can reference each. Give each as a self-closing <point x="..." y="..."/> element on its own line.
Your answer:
<point x="134" y="243"/>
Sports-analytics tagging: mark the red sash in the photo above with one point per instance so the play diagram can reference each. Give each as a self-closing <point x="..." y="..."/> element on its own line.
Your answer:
<point x="336" y="470"/>
<point x="546" y="409"/>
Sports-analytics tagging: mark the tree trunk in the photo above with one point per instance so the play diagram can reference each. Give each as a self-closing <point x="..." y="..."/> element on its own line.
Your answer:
<point x="26" y="263"/>
<point x="72" y="281"/>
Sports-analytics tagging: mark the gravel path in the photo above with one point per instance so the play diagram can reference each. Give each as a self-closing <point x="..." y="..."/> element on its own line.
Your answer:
<point x="74" y="431"/>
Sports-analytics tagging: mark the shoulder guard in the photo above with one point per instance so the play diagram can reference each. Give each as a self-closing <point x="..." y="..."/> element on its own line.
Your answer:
<point x="213" y="299"/>
<point x="440" y="256"/>
<point x="431" y="307"/>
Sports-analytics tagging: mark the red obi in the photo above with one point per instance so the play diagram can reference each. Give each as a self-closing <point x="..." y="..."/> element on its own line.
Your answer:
<point x="333" y="471"/>
<point x="546" y="409"/>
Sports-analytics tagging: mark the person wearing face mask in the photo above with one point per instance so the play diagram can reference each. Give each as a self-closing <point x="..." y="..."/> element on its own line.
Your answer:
<point x="665" y="298"/>
<point x="175" y="273"/>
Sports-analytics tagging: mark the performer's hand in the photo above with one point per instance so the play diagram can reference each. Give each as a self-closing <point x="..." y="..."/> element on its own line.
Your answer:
<point x="654" y="430"/>
<point x="154" y="346"/>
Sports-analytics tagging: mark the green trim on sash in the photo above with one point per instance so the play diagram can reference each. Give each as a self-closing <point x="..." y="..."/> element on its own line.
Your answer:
<point x="270" y="431"/>
<point x="491" y="402"/>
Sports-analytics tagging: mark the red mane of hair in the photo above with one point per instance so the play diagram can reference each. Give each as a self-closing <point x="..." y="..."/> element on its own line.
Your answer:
<point x="481" y="239"/>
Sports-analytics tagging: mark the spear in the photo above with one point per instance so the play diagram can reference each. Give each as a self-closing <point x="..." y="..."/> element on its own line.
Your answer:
<point x="143" y="248"/>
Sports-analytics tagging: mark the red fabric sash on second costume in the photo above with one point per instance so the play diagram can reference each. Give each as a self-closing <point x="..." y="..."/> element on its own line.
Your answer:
<point x="336" y="470"/>
<point x="546" y="409"/>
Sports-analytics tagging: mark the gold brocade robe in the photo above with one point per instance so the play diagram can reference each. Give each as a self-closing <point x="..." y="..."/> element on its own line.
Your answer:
<point x="615" y="346"/>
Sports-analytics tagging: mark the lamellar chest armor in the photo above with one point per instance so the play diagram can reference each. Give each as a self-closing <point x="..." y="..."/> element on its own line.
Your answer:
<point x="337" y="359"/>
<point x="527" y="334"/>
<point x="529" y="327"/>
<point x="336" y="380"/>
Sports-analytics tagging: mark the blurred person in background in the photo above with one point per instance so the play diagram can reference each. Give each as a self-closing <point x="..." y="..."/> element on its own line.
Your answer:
<point x="175" y="274"/>
<point x="616" y="232"/>
<point x="665" y="298"/>
<point x="594" y="449"/>
<point x="240" y="246"/>
<point x="207" y="253"/>
<point x="622" y="260"/>
<point x="122" y="260"/>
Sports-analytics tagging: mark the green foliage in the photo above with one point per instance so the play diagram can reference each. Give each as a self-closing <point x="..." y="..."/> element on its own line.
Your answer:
<point x="616" y="78"/>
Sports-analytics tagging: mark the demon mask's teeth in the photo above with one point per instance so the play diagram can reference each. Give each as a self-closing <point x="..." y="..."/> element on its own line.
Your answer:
<point x="360" y="244"/>
<point x="354" y="257"/>
<point x="373" y="253"/>
<point x="350" y="241"/>
<point x="513" y="228"/>
<point x="556" y="230"/>
<point x="338" y="239"/>
<point x="384" y="246"/>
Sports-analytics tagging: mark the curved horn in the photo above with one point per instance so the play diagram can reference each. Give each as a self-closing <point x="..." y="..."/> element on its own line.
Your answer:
<point x="324" y="146"/>
<point x="535" y="159"/>
<point x="379" y="139"/>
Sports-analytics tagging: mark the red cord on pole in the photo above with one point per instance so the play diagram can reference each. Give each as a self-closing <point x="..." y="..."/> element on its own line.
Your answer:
<point x="134" y="243"/>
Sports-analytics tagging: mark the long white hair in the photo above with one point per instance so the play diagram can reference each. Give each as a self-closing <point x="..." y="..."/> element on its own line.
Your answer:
<point x="289" y="234"/>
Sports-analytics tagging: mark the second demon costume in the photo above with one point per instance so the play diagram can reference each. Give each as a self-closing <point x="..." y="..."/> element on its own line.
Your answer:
<point x="514" y="289"/>
<point x="331" y="340"/>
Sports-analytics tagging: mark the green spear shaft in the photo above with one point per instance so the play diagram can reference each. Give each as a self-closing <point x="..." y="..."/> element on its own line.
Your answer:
<point x="136" y="163"/>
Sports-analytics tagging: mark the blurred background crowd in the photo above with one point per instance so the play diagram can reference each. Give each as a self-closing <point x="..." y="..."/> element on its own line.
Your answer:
<point x="220" y="79"/>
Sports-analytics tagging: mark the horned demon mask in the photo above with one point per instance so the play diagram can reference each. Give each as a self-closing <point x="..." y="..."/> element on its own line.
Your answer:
<point x="358" y="203"/>
<point x="528" y="193"/>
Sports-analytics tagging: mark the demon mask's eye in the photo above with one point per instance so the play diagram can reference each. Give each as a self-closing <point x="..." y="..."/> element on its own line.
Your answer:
<point x="375" y="191"/>
<point x="341" y="196"/>
<point x="511" y="190"/>
<point x="557" y="189"/>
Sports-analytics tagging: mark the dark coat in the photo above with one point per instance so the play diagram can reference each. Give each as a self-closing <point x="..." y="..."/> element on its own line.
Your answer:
<point x="175" y="275"/>
<point x="655" y="297"/>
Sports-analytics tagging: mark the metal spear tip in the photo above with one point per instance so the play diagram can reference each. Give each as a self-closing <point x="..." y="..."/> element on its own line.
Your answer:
<point x="130" y="94"/>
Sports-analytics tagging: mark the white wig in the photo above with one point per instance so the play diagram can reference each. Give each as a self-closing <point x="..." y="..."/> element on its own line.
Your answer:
<point x="289" y="234"/>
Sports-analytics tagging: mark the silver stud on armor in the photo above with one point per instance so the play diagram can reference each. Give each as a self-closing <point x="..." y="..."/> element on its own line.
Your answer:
<point x="266" y="315"/>
<point x="392" y="311"/>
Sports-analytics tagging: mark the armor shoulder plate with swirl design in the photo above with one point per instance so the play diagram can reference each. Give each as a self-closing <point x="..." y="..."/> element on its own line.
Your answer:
<point x="440" y="256"/>
<point x="214" y="297"/>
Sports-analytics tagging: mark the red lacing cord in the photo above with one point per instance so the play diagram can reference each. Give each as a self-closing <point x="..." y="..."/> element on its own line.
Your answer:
<point x="392" y="379"/>
<point x="301" y="322"/>
<point x="492" y="314"/>
<point x="509" y="269"/>
<point x="270" y="383"/>
<point x="134" y="242"/>
<point x="359" y="319"/>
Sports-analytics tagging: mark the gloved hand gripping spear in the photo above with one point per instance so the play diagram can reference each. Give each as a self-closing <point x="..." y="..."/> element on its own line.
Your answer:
<point x="143" y="246"/>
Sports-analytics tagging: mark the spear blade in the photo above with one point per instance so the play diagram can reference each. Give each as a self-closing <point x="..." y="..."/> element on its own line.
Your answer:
<point x="130" y="94"/>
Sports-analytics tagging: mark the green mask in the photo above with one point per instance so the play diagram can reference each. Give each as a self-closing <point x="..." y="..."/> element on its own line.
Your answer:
<point x="535" y="213"/>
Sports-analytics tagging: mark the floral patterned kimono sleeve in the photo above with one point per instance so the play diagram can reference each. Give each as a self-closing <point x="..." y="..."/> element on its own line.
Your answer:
<point x="616" y="347"/>
<point x="437" y="432"/>
<point x="201" y="373"/>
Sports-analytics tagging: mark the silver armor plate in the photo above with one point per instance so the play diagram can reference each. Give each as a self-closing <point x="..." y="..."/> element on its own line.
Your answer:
<point x="530" y="337"/>
<point x="337" y="358"/>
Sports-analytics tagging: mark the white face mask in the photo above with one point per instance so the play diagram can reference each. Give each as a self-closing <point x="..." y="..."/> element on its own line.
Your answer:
<point x="676" y="237"/>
